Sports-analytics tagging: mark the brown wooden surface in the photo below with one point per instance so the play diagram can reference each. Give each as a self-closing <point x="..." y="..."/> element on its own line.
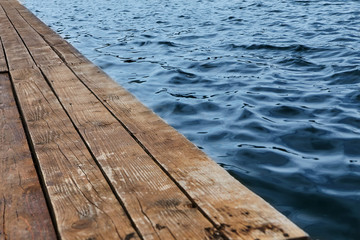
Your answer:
<point x="17" y="54"/>
<point x="150" y="196"/>
<point x="23" y="210"/>
<point x="82" y="201"/>
<point x="100" y="150"/>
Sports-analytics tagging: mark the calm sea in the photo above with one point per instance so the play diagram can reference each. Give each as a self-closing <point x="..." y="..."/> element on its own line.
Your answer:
<point x="269" y="89"/>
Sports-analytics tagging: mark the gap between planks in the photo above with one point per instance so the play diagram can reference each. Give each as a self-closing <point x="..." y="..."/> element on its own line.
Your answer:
<point x="22" y="205"/>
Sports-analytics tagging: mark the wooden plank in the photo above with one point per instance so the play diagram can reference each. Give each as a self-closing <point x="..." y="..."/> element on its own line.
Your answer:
<point x="43" y="54"/>
<point x="159" y="208"/>
<point x="59" y="45"/>
<point x="22" y="203"/>
<point x="11" y="11"/>
<point x="51" y="36"/>
<point x="17" y="55"/>
<point x="3" y="64"/>
<point x="237" y="211"/>
<point x="83" y="203"/>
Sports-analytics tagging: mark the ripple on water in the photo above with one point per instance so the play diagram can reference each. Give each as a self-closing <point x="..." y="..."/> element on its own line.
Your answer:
<point x="311" y="139"/>
<point x="345" y="77"/>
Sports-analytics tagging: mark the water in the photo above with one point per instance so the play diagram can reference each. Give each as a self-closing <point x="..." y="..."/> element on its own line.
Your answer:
<point x="269" y="89"/>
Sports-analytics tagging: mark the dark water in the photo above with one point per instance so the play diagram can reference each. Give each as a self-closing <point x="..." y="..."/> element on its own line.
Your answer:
<point x="269" y="89"/>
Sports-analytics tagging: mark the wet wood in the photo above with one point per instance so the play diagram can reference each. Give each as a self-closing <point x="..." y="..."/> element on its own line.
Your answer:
<point x="116" y="168"/>
<point x="23" y="210"/>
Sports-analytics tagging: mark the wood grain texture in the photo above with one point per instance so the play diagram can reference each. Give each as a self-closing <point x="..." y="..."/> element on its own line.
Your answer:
<point x="158" y="207"/>
<point x="51" y="36"/>
<point x="23" y="210"/>
<point x="42" y="55"/>
<point x="84" y="205"/>
<point x="17" y="54"/>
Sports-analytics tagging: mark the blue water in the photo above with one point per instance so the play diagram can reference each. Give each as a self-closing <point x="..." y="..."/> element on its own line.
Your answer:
<point x="269" y="89"/>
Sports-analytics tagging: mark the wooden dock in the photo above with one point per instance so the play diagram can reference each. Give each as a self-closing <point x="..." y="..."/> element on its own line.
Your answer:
<point x="81" y="158"/>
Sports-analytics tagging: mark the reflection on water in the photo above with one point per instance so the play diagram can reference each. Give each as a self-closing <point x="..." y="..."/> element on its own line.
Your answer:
<point x="269" y="89"/>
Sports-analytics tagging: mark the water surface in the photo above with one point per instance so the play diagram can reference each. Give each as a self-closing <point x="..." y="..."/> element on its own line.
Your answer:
<point x="269" y="89"/>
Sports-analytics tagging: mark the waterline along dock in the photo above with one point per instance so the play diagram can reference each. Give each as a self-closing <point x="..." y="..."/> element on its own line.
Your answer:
<point x="81" y="158"/>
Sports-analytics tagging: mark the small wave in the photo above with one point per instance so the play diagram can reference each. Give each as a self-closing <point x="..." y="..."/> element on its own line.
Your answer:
<point x="302" y="63"/>
<point x="317" y="98"/>
<point x="142" y="43"/>
<point x="162" y="22"/>
<point x="351" y="147"/>
<point x="344" y="39"/>
<point x="353" y="97"/>
<point x="210" y="66"/>
<point x="182" y="77"/>
<point x="208" y="106"/>
<point x="263" y="156"/>
<point x="148" y="36"/>
<point x="246" y="115"/>
<point x="294" y="47"/>
<point x="286" y="112"/>
<point x="168" y="43"/>
<point x="257" y="127"/>
<point x="274" y="90"/>
<point x="350" y="121"/>
<point x="312" y="139"/>
<point x="183" y="95"/>
<point x="194" y="37"/>
<point x="346" y="77"/>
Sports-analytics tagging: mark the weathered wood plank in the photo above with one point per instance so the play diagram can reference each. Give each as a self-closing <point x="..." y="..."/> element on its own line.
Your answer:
<point x="17" y="55"/>
<point x="238" y="211"/>
<point x="159" y="208"/>
<point x="51" y="36"/>
<point x="84" y="205"/>
<point x="23" y="210"/>
<point x="60" y="46"/>
<point x="43" y="54"/>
